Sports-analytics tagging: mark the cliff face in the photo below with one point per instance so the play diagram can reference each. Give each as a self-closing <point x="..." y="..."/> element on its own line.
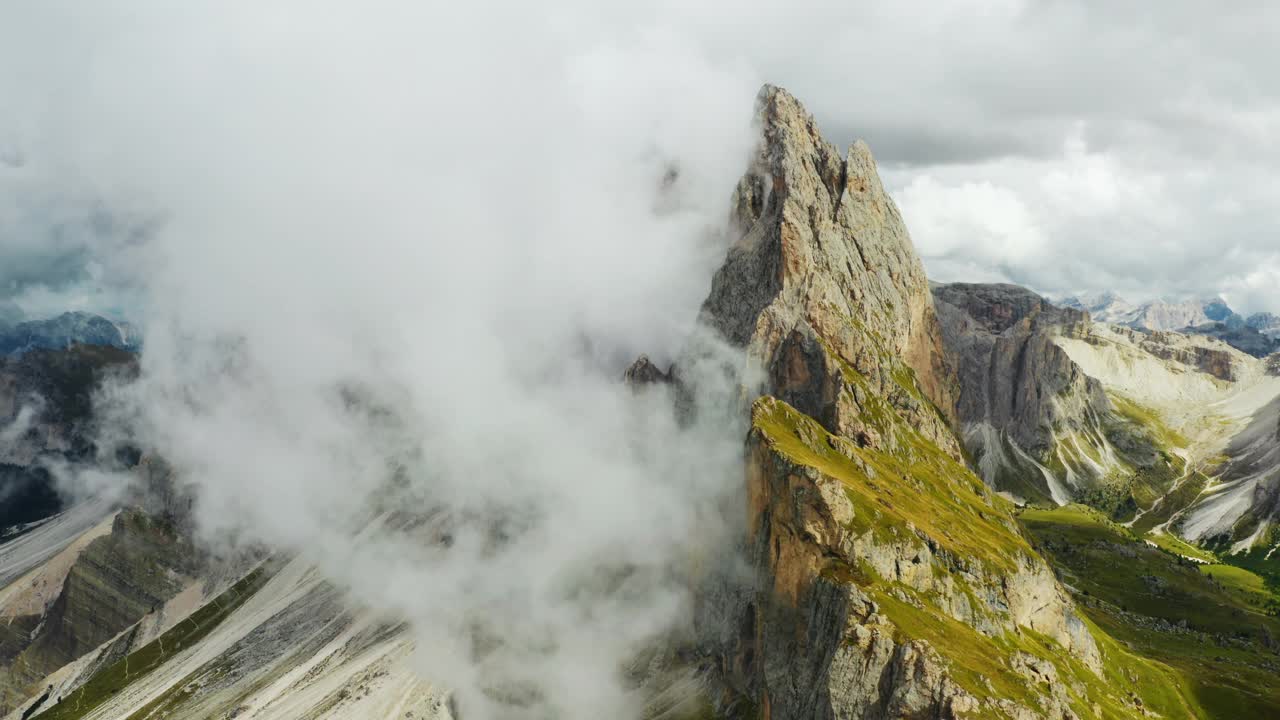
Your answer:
<point x="824" y="279"/>
<point x="115" y="580"/>
<point x="891" y="582"/>
<point x="1021" y="393"/>
<point x="1173" y="346"/>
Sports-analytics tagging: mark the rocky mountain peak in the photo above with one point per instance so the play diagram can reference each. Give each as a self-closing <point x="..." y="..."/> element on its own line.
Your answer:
<point x="823" y="284"/>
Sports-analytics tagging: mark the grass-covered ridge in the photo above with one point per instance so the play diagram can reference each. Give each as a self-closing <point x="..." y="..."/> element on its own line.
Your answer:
<point x="985" y="665"/>
<point x="919" y="489"/>
<point x="916" y="490"/>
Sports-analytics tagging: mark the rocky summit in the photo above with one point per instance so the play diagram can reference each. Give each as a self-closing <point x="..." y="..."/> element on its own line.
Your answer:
<point x="955" y="501"/>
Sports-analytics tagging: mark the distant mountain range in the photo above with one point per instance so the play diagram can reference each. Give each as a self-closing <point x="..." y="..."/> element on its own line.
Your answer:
<point x="65" y="330"/>
<point x="1258" y="334"/>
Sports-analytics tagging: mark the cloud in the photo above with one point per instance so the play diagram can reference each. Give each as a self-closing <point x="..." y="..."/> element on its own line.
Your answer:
<point x="398" y="258"/>
<point x="967" y="92"/>
<point x="1087" y="220"/>
<point x="393" y="254"/>
<point x="62" y="248"/>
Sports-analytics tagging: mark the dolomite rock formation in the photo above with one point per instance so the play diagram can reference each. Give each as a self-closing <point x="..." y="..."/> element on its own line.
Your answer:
<point x="824" y="280"/>
<point x="830" y="303"/>
<point x="1020" y="391"/>
<point x="1179" y="348"/>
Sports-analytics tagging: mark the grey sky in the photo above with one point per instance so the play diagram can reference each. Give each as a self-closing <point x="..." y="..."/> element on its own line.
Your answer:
<point x="1064" y="145"/>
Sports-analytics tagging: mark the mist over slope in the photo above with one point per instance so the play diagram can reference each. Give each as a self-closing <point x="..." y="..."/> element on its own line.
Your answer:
<point x="390" y="281"/>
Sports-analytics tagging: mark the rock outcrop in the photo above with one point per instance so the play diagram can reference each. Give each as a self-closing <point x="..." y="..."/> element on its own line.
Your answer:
<point x="643" y="372"/>
<point x="116" y="580"/>
<point x="1243" y="338"/>
<point x="862" y="518"/>
<point x="1217" y="362"/>
<point x="1021" y="394"/>
<point x="823" y="284"/>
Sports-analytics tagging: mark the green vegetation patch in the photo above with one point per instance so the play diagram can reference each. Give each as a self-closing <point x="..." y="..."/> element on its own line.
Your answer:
<point x="984" y="666"/>
<point x="1215" y="625"/>
<point x="918" y="487"/>
<point x="1178" y="546"/>
<point x="1150" y="420"/>
<point x="1174" y="502"/>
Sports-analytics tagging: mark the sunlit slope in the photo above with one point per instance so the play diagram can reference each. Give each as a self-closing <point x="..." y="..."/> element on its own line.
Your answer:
<point x="1217" y="409"/>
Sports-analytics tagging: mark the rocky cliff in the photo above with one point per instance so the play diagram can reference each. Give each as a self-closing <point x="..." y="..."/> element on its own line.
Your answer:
<point x="891" y="582"/>
<point x="115" y="579"/>
<point x="823" y="284"/>
<point x="1024" y="405"/>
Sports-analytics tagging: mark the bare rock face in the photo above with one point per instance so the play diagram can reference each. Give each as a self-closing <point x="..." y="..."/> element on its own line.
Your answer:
<point x="823" y="288"/>
<point x="861" y="513"/>
<point x="643" y="372"/>
<point x="1173" y="346"/>
<point x="1163" y="316"/>
<point x="1020" y="391"/>
<point x="117" y="580"/>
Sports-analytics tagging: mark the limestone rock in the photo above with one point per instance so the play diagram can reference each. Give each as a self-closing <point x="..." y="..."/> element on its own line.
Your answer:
<point x="824" y="293"/>
<point x="823" y="288"/>
<point x="1217" y="362"/>
<point x="1020" y="392"/>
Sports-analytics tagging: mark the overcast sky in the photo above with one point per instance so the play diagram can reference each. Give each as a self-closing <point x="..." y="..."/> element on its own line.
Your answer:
<point x="1068" y="146"/>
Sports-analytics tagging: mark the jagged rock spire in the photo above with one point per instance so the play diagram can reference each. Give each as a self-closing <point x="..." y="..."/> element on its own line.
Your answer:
<point x="824" y="279"/>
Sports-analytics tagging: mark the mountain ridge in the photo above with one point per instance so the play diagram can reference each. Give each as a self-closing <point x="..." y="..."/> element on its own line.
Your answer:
<point x="882" y="572"/>
<point x="60" y="332"/>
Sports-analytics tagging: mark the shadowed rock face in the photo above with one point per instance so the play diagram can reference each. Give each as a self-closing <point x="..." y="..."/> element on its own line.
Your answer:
<point x="643" y="372"/>
<point x="824" y="282"/>
<point x="1016" y="383"/>
<point x="119" y="578"/>
<point x="46" y="414"/>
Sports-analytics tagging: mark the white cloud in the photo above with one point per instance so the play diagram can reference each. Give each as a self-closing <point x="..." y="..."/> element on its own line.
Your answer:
<point x="979" y="222"/>
<point x="400" y="253"/>
<point x="457" y="213"/>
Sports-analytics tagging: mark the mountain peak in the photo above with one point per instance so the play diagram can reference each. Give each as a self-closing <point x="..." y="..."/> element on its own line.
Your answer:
<point x="823" y="269"/>
<point x="70" y="328"/>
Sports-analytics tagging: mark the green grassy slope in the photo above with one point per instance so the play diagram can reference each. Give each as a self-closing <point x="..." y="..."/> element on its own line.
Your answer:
<point x="1213" y="624"/>
<point x="918" y="491"/>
